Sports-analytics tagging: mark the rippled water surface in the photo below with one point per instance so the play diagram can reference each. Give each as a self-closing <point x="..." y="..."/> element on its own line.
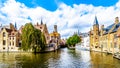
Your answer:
<point x="62" y="58"/>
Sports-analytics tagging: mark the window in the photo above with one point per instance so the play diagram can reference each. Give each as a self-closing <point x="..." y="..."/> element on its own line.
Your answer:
<point x="12" y="33"/>
<point x="51" y="36"/>
<point x="47" y="37"/>
<point x="13" y="43"/>
<point x="3" y="34"/>
<point x="40" y="27"/>
<point x="45" y="31"/>
<point x="10" y="43"/>
<point x="115" y="45"/>
<point x="4" y="42"/>
<point x="3" y="48"/>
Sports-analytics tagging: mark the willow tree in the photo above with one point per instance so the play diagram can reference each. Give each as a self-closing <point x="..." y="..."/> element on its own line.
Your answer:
<point x="32" y="38"/>
<point x="43" y="41"/>
<point x="27" y="36"/>
<point x="36" y="40"/>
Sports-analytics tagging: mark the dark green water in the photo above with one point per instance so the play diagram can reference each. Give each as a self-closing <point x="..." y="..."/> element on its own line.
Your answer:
<point x="60" y="59"/>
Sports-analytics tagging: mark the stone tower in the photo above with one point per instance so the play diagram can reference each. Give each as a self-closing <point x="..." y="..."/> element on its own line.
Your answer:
<point x="96" y="26"/>
<point x="95" y="33"/>
<point x="55" y="28"/>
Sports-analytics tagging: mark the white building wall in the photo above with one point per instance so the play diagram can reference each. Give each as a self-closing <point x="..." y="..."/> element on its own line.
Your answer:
<point x="86" y="41"/>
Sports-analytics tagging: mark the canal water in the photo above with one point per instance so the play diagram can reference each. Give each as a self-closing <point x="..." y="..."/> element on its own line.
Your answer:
<point x="62" y="58"/>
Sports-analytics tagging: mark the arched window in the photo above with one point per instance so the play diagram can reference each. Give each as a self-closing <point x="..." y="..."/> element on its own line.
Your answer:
<point x="3" y="34"/>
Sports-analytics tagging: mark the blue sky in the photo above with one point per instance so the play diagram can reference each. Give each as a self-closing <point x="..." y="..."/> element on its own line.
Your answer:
<point x="69" y="15"/>
<point x="52" y="5"/>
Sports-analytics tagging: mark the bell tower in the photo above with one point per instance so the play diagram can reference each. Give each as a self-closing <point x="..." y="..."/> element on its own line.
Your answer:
<point x="55" y="28"/>
<point x="96" y="32"/>
<point x="96" y="26"/>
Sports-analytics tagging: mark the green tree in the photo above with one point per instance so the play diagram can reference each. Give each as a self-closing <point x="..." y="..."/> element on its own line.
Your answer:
<point x="43" y="41"/>
<point x="27" y="36"/>
<point x="36" y="40"/>
<point x="32" y="38"/>
<point x="72" y="41"/>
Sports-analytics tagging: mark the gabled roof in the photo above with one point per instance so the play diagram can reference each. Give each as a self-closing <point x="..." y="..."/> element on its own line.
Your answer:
<point x="8" y="30"/>
<point x="107" y="29"/>
<point x="114" y="26"/>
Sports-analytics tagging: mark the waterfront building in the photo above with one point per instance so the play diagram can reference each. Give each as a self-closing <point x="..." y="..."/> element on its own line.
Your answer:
<point x="9" y="38"/>
<point x="55" y="36"/>
<point x="105" y="39"/>
<point x="43" y="28"/>
<point x="63" y="42"/>
<point x="85" y="40"/>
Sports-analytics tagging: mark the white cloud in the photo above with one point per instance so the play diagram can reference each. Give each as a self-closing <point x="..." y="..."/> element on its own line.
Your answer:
<point x="68" y="18"/>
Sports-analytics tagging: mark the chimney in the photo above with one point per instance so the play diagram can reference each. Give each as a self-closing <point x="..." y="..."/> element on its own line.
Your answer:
<point x="117" y="20"/>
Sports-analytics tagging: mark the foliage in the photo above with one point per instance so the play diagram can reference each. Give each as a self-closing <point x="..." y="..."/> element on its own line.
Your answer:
<point x="27" y="38"/>
<point x="43" y="41"/>
<point x="71" y="41"/>
<point x="32" y="38"/>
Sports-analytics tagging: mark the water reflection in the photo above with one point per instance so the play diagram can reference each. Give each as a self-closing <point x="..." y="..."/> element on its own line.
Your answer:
<point x="60" y="59"/>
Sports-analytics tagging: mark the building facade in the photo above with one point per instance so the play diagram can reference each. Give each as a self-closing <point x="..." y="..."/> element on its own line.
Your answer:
<point x="55" y="36"/>
<point x="105" y="39"/>
<point x="85" y="40"/>
<point x="9" y="38"/>
<point x="43" y="28"/>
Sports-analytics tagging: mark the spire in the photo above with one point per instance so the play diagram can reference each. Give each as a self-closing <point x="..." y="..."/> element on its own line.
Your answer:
<point x="41" y="22"/>
<point x="15" y="25"/>
<point x="78" y="32"/>
<point x="95" y="21"/>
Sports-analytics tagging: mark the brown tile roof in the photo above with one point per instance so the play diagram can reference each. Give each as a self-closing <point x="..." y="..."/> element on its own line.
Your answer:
<point x="8" y="30"/>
